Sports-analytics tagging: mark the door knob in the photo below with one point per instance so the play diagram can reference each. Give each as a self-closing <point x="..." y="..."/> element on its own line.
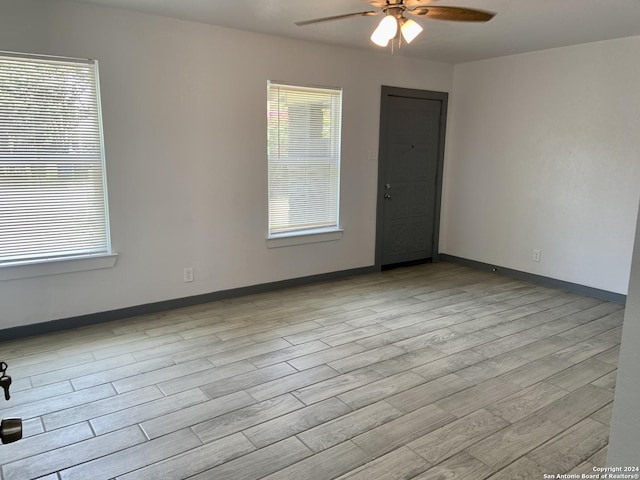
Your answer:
<point x="10" y="430"/>
<point x="387" y="196"/>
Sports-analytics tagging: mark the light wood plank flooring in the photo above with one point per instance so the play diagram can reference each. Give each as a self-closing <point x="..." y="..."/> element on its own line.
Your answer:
<point x="428" y="372"/>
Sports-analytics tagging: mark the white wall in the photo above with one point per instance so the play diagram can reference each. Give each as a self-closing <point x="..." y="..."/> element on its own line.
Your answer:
<point x="184" y="109"/>
<point x="624" y="440"/>
<point x="544" y="152"/>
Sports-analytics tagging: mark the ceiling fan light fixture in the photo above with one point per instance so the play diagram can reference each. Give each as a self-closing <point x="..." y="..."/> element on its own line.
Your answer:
<point x="410" y="30"/>
<point x="386" y="30"/>
<point x="394" y="26"/>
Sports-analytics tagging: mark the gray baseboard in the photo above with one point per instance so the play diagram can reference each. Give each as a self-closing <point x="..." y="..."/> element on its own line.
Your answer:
<point x="100" y="317"/>
<point x="530" y="277"/>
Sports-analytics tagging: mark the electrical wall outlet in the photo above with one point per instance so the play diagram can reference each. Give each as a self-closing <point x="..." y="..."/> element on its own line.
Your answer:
<point x="536" y="255"/>
<point x="188" y="274"/>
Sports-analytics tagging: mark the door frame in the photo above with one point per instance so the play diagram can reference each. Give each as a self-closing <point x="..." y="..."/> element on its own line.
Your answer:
<point x="386" y="93"/>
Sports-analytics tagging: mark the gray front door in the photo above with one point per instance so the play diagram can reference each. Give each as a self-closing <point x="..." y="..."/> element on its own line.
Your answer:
<point x="410" y="174"/>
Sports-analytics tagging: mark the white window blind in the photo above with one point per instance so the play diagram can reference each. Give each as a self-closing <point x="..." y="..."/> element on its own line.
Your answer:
<point x="52" y="181"/>
<point x="303" y="141"/>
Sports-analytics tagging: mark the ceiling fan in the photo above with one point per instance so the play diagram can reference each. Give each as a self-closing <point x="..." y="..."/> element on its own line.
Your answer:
<point x="395" y="23"/>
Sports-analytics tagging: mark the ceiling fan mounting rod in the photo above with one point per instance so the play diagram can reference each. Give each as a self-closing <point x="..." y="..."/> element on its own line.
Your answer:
<point x="395" y="9"/>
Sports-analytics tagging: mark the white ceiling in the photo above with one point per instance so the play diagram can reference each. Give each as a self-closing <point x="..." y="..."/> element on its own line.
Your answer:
<point x="519" y="26"/>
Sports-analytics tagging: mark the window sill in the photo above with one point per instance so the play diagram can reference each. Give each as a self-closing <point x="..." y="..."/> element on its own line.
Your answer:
<point x="302" y="238"/>
<point x="40" y="268"/>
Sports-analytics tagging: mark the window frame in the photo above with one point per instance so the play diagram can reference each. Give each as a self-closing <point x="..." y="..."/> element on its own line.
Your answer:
<point x="66" y="262"/>
<point x="314" y="234"/>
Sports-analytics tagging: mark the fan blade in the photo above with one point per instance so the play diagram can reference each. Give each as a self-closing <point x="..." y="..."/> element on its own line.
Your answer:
<point x="337" y="17"/>
<point x="452" y="13"/>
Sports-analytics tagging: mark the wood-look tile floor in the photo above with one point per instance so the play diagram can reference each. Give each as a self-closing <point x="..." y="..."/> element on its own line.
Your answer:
<point x="429" y="372"/>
